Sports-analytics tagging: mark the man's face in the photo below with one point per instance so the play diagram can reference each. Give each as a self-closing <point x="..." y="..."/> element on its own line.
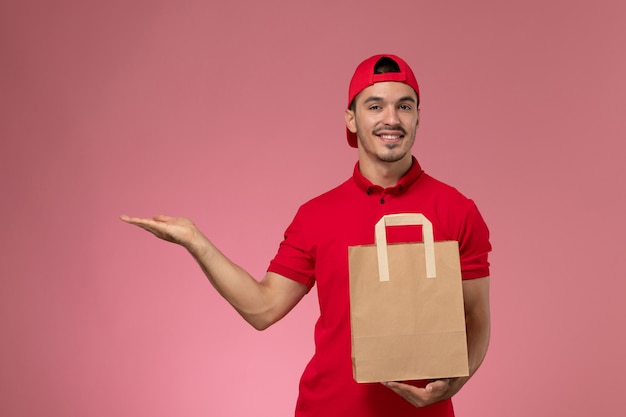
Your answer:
<point x="385" y="119"/>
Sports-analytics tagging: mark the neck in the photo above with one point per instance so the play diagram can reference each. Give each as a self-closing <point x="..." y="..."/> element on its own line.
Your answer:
<point x="384" y="174"/>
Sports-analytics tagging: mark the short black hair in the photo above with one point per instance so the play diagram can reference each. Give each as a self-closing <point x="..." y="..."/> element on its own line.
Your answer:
<point x="385" y="65"/>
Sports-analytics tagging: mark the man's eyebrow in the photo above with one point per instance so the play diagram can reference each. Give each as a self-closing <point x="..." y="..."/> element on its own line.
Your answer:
<point x="376" y="98"/>
<point x="372" y="98"/>
<point x="408" y="98"/>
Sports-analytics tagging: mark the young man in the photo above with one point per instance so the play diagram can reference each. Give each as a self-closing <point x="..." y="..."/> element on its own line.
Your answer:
<point x="381" y="119"/>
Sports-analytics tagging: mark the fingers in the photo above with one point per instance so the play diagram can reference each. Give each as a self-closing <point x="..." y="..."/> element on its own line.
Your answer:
<point x="178" y="230"/>
<point x="433" y="392"/>
<point x="132" y="220"/>
<point x="398" y="388"/>
<point x="153" y="226"/>
<point x="162" y="218"/>
<point x="139" y="221"/>
<point x="416" y="396"/>
<point x="438" y="385"/>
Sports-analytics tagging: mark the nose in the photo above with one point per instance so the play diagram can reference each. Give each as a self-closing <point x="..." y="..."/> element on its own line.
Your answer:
<point x="391" y="116"/>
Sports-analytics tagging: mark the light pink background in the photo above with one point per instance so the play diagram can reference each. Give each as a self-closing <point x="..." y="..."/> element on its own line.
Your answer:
<point x="231" y="113"/>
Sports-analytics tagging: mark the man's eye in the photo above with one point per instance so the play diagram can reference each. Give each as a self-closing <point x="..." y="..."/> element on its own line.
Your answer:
<point x="405" y="107"/>
<point x="375" y="107"/>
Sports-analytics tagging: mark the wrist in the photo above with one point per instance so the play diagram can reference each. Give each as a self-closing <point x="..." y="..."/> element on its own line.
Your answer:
<point x="198" y="246"/>
<point x="456" y="384"/>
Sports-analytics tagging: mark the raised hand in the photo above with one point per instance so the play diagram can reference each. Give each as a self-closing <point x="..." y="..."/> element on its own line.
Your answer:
<point x="260" y="303"/>
<point x="178" y="230"/>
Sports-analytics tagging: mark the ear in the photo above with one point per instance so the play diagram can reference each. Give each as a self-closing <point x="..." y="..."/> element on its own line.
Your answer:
<point x="417" y="122"/>
<point x="350" y="121"/>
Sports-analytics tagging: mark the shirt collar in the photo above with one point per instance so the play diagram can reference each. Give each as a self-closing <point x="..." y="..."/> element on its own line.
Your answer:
<point x="403" y="183"/>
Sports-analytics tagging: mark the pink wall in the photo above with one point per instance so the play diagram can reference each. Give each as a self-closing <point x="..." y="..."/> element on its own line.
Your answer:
<point x="231" y="113"/>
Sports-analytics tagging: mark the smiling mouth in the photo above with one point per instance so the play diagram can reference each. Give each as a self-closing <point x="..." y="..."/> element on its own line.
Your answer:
<point x="390" y="138"/>
<point x="390" y="133"/>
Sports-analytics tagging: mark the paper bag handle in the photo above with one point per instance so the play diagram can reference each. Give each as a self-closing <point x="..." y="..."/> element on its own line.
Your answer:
<point x="404" y="219"/>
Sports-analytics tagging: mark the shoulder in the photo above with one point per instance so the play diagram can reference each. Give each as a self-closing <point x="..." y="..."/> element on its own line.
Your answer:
<point x="324" y="212"/>
<point x="331" y="199"/>
<point x="441" y="194"/>
<point x="449" y="209"/>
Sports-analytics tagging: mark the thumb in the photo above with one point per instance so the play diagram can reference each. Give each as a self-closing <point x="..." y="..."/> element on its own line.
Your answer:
<point x="437" y="385"/>
<point x="162" y="218"/>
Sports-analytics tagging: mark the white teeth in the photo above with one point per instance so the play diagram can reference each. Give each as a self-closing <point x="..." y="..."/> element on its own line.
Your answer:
<point x="390" y="136"/>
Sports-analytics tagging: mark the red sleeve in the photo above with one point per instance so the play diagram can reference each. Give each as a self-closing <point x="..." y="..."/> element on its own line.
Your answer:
<point x="295" y="258"/>
<point x="474" y="245"/>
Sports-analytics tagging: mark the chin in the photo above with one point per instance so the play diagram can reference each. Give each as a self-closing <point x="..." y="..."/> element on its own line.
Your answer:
<point x="392" y="157"/>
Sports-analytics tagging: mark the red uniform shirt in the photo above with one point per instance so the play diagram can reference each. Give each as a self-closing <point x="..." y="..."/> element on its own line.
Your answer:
<point x="315" y="251"/>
